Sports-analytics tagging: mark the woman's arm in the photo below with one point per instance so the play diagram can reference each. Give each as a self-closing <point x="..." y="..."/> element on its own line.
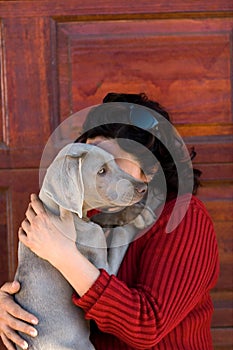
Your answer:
<point x="13" y="318"/>
<point x="172" y="273"/>
<point x="43" y="235"/>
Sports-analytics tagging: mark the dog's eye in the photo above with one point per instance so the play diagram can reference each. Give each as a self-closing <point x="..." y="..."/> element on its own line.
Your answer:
<point x="102" y="171"/>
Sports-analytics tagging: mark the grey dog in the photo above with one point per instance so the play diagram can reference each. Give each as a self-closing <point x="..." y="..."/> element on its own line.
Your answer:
<point x="80" y="178"/>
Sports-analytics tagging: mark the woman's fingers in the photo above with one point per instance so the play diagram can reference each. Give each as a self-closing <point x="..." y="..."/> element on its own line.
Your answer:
<point x="10" y="338"/>
<point x="13" y="318"/>
<point x="23" y="237"/>
<point x="35" y="208"/>
<point x="22" y="327"/>
<point x="14" y="324"/>
<point x="25" y="225"/>
<point x="8" y="344"/>
<point x="37" y="205"/>
<point x="10" y="287"/>
<point x="30" y="213"/>
<point x="10" y="307"/>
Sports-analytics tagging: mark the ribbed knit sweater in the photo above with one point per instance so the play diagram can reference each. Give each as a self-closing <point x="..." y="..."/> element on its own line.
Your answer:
<point x="160" y="297"/>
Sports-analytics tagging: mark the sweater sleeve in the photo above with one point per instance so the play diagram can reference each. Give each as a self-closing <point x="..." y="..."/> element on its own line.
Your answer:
<point x="175" y="271"/>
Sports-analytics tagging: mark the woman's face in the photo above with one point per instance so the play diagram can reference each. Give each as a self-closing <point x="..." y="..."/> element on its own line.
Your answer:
<point x="126" y="161"/>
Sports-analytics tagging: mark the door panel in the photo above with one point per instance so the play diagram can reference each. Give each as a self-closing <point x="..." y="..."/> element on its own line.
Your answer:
<point x="57" y="58"/>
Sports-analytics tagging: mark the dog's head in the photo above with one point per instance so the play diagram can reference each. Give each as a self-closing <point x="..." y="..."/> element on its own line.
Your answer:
<point x="84" y="177"/>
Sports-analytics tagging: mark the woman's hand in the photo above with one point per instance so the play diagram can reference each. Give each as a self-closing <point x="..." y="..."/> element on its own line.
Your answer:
<point x="13" y="318"/>
<point x="53" y="239"/>
<point x="43" y="233"/>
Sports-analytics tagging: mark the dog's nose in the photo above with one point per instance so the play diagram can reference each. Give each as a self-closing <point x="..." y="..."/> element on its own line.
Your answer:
<point x="141" y="188"/>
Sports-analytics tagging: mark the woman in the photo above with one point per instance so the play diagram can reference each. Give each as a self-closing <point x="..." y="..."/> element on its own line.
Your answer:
<point x="160" y="296"/>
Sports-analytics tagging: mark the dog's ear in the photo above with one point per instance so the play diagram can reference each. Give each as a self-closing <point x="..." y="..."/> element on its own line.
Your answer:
<point x="63" y="181"/>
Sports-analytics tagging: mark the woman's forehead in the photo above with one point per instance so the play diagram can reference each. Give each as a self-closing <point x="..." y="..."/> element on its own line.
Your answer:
<point x="111" y="146"/>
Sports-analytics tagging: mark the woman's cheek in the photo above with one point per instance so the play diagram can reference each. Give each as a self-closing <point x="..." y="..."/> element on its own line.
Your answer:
<point x="130" y="168"/>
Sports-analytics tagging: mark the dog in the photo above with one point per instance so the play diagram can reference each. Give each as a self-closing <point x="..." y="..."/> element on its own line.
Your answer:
<point x="80" y="178"/>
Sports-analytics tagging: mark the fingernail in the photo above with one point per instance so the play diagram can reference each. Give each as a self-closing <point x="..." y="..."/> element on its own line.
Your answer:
<point x="33" y="332"/>
<point x="15" y="284"/>
<point x="25" y="345"/>
<point x="34" y="321"/>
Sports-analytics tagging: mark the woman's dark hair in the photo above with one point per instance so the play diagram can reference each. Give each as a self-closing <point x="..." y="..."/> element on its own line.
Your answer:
<point x="107" y="113"/>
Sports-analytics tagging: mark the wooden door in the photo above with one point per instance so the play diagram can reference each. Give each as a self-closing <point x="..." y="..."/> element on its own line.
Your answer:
<point x="57" y="57"/>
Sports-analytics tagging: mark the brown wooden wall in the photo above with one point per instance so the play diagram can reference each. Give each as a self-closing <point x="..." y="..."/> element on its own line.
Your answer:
<point x="57" y="57"/>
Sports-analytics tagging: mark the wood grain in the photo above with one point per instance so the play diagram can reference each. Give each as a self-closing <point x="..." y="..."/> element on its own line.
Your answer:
<point x="12" y="8"/>
<point x="59" y="57"/>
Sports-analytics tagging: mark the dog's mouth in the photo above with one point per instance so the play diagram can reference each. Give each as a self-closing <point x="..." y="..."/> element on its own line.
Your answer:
<point x="118" y="216"/>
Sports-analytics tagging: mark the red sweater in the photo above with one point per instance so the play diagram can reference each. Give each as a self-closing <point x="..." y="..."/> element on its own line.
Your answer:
<point x="160" y="297"/>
